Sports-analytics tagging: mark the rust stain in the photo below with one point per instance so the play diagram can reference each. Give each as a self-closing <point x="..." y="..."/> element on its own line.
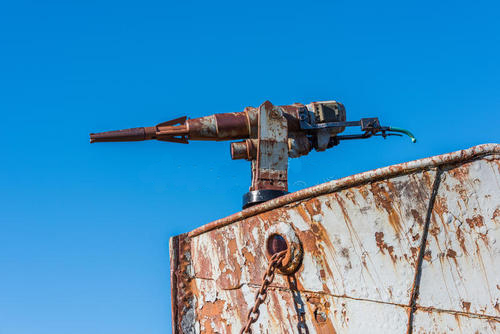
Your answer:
<point x="429" y="181"/>
<point x="461" y="174"/>
<point x="204" y="263"/>
<point x="314" y="241"/>
<point x="238" y="298"/>
<point x="229" y="267"/>
<point x="495" y="215"/>
<point x="418" y="218"/>
<point x="213" y="309"/>
<point x="277" y="316"/>
<point x="475" y="221"/>
<point x="451" y="253"/>
<point x="320" y="311"/>
<point x="457" y="319"/>
<point x="302" y="212"/>
<point x="350" y="195"/>
<point x="379" y="239"/>
<point x="440" y="207"/>
<point x="184" y="288"/>
<point x="249" y="258"/>
<point x="383" y="199"/>
<point x="466" y="306"/>
<point x="428" y="255"/>
<point x="461" y="240"/>
<point x="483" y="268"/>
<point x="363" y="192"/>
<point x="313" y="207"/>
<point x="434" y="231"/>
<point x="414" y="252"/>
<point x="484" y="238"/>
<point x="210" y="314"/>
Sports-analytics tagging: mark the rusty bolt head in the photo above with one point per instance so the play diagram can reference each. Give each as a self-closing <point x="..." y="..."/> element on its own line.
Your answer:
<point x="275" y="113"/>
<point x="320" y="316"/>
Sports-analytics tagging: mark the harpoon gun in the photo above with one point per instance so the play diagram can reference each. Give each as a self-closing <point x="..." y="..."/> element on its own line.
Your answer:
<point x="266" y="136"/>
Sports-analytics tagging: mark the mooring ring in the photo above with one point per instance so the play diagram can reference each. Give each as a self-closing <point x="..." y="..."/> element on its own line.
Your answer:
<point x="281" y="236"/>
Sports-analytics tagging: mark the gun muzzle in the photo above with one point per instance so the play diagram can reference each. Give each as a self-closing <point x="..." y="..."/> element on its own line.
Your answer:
<point x="166" y="131"/>
<point x="134" y="134"/>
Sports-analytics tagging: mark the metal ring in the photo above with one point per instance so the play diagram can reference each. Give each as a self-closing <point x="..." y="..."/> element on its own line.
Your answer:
<point x="294" y="250"/>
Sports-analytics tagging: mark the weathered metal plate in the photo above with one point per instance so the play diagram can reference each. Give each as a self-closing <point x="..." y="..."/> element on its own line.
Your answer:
<point x="461" y="268"/>
<point x="361" y="242"/>
<point x="364" y="268"/>
<point x="224" y="311"/>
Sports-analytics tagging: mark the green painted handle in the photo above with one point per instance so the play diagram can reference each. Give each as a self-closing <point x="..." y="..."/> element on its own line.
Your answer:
<point x="406" y="132"/>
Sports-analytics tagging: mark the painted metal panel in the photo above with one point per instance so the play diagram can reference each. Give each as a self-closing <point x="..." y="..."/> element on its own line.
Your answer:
<point x="461" y="267"/>
<point x="224" y="311"/>
<point x="361" y="242"/>
<point x="368" y="238"/>
<point x="364" y="267"/>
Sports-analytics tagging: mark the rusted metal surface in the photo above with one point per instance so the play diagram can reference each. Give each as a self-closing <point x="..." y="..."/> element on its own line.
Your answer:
<point x="461" y="267"/>
<point x="275" y="262"/>
<point x="224" y="311"/>
<point x="407" y="248"/>
<point x="271" y="166"/>
<point x="432" y="321"/>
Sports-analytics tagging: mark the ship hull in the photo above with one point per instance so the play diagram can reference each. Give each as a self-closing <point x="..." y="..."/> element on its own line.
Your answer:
<point x="410" y="248"/>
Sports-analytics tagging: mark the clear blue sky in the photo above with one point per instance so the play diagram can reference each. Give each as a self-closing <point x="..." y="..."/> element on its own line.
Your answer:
<point x="84" y="228"/>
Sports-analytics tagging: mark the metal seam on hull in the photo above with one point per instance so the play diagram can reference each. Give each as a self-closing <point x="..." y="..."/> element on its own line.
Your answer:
<point x="421" y="253"/>
<point x="472" y="153"/>
<point x="454" y="312"/>
<point x="417" y="308"/>
<point x="309" y="292"/>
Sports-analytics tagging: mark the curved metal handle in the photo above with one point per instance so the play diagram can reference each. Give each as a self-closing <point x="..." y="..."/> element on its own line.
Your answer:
<point x="406" y="132"/>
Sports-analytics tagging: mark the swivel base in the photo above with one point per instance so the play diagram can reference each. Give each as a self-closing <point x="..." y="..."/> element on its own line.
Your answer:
<point x="260" y="196"/>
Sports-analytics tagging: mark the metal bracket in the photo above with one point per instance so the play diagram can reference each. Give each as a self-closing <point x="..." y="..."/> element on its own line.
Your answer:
<point x="271" y="165"/>
<point x="270" y="168"/>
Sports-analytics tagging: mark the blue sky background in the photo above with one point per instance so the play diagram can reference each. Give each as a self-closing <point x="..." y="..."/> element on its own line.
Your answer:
<point x="84" y="228"/>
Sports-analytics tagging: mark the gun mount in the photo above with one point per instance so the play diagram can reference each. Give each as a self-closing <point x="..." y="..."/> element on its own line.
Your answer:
<point x="268" y="135"/>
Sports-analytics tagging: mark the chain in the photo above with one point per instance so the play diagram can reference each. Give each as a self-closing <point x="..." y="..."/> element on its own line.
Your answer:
<point x="261" y="295"/>
<point x="300" y="308"/>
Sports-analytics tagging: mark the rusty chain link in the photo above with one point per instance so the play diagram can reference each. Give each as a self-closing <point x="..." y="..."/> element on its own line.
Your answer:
<point x="261" y="295"/>
<point x="300" y="308"/>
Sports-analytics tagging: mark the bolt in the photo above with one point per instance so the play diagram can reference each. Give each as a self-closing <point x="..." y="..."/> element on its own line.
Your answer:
<point x="275" y="113"/>
<point x="320" y="316"/>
